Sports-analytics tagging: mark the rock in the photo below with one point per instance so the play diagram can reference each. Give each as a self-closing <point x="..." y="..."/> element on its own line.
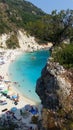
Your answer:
<point x="53" y="87"/>
<point x="3" y="39"/>
<point x="26" y="42"/>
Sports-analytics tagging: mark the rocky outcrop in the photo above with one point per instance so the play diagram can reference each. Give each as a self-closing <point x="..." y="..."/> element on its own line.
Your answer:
<point x="25" y="41"/>
<point x="54" y="87"/>
<point x="3" y="39"/>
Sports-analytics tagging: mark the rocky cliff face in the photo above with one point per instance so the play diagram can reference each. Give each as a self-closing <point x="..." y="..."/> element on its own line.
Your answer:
<point x="55" y="89"/>
<point x="54" y="86"/>
<point x="25" y="41"/>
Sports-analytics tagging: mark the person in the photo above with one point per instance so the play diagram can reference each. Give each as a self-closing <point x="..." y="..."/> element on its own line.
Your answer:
<point x="15" y="102"/>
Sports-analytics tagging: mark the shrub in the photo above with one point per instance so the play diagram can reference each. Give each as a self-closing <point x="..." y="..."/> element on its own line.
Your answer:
<point x="35" y="119"/>
<point x="64" y="55"/>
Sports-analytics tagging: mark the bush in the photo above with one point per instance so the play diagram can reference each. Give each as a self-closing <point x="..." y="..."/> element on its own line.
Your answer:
<point x="64" y="55"/>
<point x="35" y="119"/>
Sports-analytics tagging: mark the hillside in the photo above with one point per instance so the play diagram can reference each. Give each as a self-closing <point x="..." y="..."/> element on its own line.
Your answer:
<point x="20" y="14"/>
<point x="15" y="14"/>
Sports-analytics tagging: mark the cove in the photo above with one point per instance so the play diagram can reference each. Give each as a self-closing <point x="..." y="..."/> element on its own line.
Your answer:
<point x="26" y="69"/>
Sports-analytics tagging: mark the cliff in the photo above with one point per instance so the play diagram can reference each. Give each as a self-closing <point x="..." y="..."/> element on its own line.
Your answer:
<point x="55" y="89"/>
<point x="22" y="40"/>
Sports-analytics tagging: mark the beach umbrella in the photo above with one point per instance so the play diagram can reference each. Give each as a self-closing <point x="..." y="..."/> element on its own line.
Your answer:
<point x="17" y="114"/>
<point x="34" y="110"/>
<point x="5" y="91"/>
<point x="13" y="109"/>
<point x="27" y="107"/>
<point x="14" y="96"/>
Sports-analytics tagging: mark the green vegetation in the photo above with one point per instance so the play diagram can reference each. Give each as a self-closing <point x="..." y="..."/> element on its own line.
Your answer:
<point x="15" y="14"/>
<point x="64" y="55"/>
<point x="12" y="42"/>
<point x="54" y="27"/>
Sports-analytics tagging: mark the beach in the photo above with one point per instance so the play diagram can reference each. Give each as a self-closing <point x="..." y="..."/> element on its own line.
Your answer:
<point x="8" y="57"/>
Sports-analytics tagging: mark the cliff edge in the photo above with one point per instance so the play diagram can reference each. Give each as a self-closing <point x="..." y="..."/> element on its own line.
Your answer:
<point x="55" y="89"/>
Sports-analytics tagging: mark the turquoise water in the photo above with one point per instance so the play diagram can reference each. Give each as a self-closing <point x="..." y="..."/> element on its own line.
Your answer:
<point x="26" y="69"/>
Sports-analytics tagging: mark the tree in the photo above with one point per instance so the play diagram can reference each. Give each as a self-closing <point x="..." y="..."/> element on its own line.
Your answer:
<point x="54" y="27"/>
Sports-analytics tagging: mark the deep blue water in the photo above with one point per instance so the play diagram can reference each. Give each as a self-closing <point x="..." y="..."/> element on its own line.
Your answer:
<point x="26" y="69"/>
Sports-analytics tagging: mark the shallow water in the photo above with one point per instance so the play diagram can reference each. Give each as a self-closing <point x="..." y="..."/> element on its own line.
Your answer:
<point x="26" y="69"/>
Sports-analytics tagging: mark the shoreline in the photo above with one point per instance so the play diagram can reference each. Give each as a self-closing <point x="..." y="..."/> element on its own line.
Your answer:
<point x="13" y="54"/>
<point x="9" y="56"/>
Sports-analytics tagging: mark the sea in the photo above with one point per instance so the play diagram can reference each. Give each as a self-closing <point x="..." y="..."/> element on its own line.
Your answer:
<point x="26" y="70"/>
